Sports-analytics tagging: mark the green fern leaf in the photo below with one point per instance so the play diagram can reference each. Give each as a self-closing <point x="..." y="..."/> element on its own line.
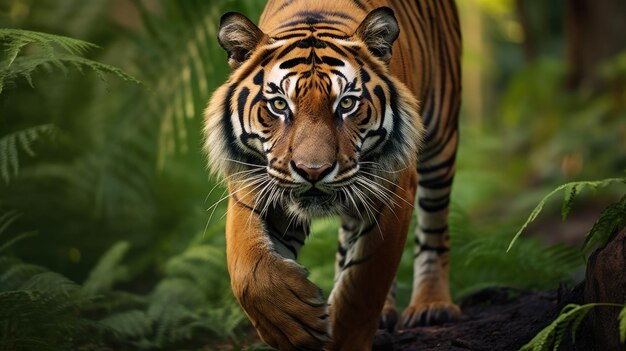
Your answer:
<point x="133" y="324"/>
<point x="107" y="271"/>
<point x="574" y="185"/>
<point x="570" y="193"/>
<point x="11" y="144"/>
<point x="8" y="244"/>
<point x="612" y="219"/>
<point x="7" y="219"/>
<point x="551" y="337"/>
<point x="57" y="51"/>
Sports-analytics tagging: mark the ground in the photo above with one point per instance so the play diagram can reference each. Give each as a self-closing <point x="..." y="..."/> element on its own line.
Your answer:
<point x="496" y="319"/>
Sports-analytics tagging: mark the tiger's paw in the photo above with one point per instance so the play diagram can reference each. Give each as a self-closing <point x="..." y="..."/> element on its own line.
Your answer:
<point x="288" y="311"/>
<point x="433" y="313"/>
<point x="388" y="319"/>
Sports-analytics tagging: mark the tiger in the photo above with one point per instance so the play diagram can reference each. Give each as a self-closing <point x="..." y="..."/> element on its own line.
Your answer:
<point x="345" y="108"/>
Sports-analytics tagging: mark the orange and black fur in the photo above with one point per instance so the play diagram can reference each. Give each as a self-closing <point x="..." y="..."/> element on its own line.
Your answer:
<point x="347" y="108"/>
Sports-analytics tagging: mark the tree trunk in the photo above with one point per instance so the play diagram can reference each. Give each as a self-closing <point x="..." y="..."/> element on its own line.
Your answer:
<point x="595" y="31"/>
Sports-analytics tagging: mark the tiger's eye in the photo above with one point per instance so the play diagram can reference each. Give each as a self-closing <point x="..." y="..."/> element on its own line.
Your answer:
<point x="279" y="104"/>
<point x="347" y="103"/>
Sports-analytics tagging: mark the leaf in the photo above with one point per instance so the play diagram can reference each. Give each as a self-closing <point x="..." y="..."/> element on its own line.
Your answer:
<point x="571" y="186"/>
<point x="551" y="337"/>
<point x="11" y="144"/>
<point x="57" y="51"/>
<point x="570" y="193"/>
<point x="107" y="271"/>
<point x="612" y="219"/>
<point x="7" y="219"/>
<point x="131" y="324"/>
<point x="15" y="240"/>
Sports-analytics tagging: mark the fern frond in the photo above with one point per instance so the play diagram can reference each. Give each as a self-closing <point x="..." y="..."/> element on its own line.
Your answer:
<point x="5" y="246"/>
<point x="612" y="219"/>
<point x="551" y="337"/>
<point x="107" y="271"/>
<point x="16" y="273"/>
<point x="573" y="189"/>
<point x="7" y="218"/>
<point x="16" y="39"/>
<point x="50" y="283"/>
<point x="57" y="51"/>
<point x="134" y="324"/>
<point x="11" y="144"/>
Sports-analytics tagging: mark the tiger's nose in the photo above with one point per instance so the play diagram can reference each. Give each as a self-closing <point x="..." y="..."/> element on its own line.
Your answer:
<point x="312" y="173"/>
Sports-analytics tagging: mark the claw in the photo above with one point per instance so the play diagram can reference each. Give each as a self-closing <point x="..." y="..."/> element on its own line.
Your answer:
<point x="430" y="314"/>
<point x="388" y="320"/>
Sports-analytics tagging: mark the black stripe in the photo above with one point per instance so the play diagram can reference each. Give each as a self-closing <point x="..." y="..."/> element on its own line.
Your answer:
<point x="293" y="62"/>
<point x="434" y="231"/>
<point x="425" y="248"/>
<point x="331" y="61"/>
<point x="437" y="185"/>
<point x="353" y="263"/>
<point x="436" y="207"/>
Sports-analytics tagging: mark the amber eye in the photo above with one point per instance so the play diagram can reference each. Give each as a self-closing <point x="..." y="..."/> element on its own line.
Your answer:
<point x="347" y="103"/>
<point x="279" y="104"/>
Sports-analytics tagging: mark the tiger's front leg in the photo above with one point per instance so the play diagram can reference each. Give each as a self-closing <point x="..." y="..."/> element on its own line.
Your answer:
<point x="373" y="249"/>
<point x="288" y="311"/>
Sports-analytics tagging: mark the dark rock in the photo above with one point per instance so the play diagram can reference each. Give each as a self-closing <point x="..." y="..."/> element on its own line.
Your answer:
<point x="606" y="283"/>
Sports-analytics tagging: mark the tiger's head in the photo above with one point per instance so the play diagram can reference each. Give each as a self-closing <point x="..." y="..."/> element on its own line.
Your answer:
<point x="311" y="117"/>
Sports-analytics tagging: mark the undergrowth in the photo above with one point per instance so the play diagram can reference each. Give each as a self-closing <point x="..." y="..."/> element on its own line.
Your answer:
<point x="611" y="220"/>
<point x="44" y="310"/>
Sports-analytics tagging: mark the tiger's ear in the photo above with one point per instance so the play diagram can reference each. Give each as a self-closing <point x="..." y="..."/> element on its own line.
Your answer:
<point x="379" y="30"/>
<point x="238" y="36"/>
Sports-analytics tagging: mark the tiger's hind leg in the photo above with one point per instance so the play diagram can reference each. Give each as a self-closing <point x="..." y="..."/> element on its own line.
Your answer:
<point x="430" y="301"/>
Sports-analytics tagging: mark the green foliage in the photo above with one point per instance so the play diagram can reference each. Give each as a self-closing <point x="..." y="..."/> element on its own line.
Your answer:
<point x="57" y="51"/>
<point x="612" y="219"/>
<point x="571" y="190"/>
<point x="572" y="315"/>
<point x="108" y="271"/>
<point x="190" y="302"/>
<point x="45" y="310"/>
<point x="551" y="337"/>
<point x="11" y="144"/>
<point x="478" y="254"/>
<point x="38" y="310"/>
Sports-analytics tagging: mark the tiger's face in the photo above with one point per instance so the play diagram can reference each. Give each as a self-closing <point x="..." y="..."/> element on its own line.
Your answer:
<point x="312" y="119"/>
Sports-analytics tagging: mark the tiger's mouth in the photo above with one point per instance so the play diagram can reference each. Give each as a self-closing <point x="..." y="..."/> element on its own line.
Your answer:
<point x="315" y="202"/>
<point x="314" y="193"/>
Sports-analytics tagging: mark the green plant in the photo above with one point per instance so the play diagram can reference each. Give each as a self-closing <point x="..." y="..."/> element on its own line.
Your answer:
<point x="611" y="220"/>
<point x="608" y="222"/>
<point x="572" y="315"/>
<point x="54" y="50"/>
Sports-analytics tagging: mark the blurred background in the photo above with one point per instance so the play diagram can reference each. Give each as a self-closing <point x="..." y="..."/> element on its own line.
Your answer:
<point x="109" y="237"/>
